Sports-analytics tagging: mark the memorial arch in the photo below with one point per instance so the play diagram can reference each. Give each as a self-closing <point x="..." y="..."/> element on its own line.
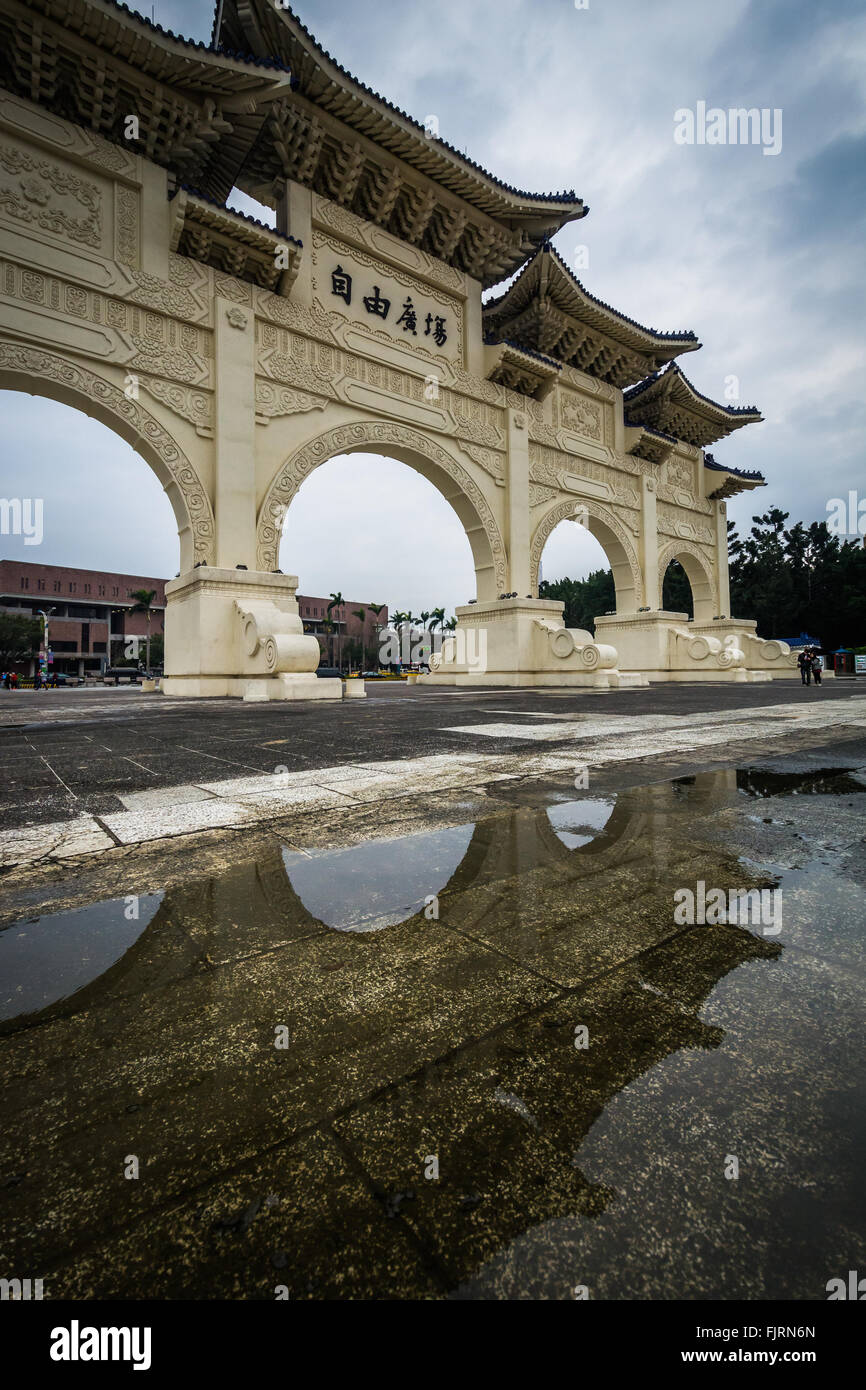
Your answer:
<point x="235" y="357"/>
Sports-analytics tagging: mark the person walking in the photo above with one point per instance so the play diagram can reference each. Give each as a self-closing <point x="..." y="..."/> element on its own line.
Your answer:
<point x="817" y="667"/>
<point x="805" y="665"/>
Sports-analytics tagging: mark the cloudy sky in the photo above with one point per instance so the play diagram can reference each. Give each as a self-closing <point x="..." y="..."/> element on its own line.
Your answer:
<point x="762" y="255"/>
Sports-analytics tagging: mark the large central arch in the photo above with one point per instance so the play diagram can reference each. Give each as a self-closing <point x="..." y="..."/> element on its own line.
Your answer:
<point x="409" y="446"/>
<point x="41" y="373"/>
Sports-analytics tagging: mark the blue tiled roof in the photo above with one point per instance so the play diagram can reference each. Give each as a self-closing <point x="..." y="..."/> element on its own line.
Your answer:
<point x="710" y="462"/>
<point x="197" y="43"/>
<point x="634" y="391"/>
<point x="686" y="336"/>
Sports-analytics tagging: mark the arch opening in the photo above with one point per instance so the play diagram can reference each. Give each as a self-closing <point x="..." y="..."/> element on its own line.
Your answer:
<point x="51" y="377"/>
<point x="602" y="548"/>
<point x="425" y="457"/>
<point x="686" y="584"/>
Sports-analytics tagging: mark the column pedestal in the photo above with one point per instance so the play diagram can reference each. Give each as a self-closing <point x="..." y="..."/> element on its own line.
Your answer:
<point x="238" y="632"/>
<point x="523" y="642"/>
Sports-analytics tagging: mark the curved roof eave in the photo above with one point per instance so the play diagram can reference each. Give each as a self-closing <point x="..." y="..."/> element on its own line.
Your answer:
<point x="686" y="341"/>
<point x="523" y="204"/>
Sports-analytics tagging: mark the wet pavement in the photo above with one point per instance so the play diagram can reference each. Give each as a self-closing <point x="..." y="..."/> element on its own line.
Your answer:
<point x="457" y="1047"/>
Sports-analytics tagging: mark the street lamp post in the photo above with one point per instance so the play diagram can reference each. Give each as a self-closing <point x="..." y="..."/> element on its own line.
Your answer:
<point x="45" y="617"/>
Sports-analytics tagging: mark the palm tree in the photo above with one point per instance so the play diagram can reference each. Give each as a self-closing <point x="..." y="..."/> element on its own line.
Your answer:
<point x="337" y="601"/>
<point x="361" y="615"/>
<point x="437" y="618"/>
<point x="144" y="604"/>
<point x="376" y="609"/>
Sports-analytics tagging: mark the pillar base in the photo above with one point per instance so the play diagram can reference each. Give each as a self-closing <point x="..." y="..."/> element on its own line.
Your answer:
<point x="238" y="633"/>
<point x="523" y="643"/>
<point x="665" y="646"/>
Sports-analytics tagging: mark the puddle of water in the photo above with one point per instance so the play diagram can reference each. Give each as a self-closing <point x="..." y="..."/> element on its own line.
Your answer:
<point x="370" y="886"/>
<point x="578" y="822"/>
<point x="579" y="1065"/>
<point x="47" y="959"/>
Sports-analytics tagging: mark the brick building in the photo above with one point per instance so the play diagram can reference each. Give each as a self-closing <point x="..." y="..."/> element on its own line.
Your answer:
<point x="93" y="611"/>
<point x="344" y="639"/>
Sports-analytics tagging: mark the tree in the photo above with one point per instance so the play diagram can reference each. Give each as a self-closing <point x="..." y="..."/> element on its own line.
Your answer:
<point x="144" y="604"/>
<point x="584" y="599"/>
<point x="376" y="609"/>
<point x="19" y="638"/>
<point x="677" y="591"/>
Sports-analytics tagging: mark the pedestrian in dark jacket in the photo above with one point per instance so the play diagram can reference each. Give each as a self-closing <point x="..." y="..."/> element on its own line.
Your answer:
<point x="805" y="665"/>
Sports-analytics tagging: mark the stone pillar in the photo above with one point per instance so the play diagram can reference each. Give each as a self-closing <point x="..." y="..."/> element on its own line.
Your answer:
<point x="295" y="219"/>
<point x="649" y="544"/>
<point x="519" y="578"/>
<point x="234" y="442"/>
<point x="723" y="580"/>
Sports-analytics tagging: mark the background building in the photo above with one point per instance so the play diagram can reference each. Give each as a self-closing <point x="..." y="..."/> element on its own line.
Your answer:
<point x="92" y="611"/>
<point x="92" y="619"/>
<point x="343" y="635"/>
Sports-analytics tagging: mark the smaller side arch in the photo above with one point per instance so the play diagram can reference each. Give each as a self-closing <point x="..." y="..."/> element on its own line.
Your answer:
<point x="41" y="373"/>
<point x="700" y="576"/>
<point x="611" y="535"/>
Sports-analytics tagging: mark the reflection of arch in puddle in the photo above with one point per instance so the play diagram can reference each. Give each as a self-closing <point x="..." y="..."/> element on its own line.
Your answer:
<point x="379" y="883"/>
<point x="578" y="823"/>
<point x="46" y="960"/>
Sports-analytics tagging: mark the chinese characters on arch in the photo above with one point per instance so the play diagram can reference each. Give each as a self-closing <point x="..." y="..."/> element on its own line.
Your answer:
<point x="408" y="319"/>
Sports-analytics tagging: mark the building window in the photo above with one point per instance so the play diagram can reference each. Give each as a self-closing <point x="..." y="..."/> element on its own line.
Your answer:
<point x="102" y="589"/>
<point x="57" y="586"/>
<point x="40" y="584"/>
<point x="115" y="592"/>
<point x="25" y="583"/>
<point x="87" y="588"/>
<point x="72" y="588"/>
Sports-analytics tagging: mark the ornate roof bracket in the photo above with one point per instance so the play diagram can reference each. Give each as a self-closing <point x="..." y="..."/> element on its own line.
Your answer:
<point x="234" y="244"/>
<point x="527" y="372"/>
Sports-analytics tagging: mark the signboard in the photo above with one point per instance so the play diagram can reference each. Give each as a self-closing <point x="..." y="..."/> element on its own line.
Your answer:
<point x="860" y="664"/>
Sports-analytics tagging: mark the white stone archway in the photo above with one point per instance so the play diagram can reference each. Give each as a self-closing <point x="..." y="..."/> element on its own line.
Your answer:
<point x="613" y="537"/>
<point x="699" y="572"/>
<point x="236" y="357"/>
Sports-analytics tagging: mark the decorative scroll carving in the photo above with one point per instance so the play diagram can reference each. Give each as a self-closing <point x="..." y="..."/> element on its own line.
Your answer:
<point x="378" y="435"/>
<point x="582" y="417"/>
<point x="272" y="401"/>
<point x="155" y="443"/>
<point x="195" y="406"/>
<point x="180" y="297"/>
<point x="491" y="462"/>
<point x="126" y="225"/>
<point x="40" y="195"/>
